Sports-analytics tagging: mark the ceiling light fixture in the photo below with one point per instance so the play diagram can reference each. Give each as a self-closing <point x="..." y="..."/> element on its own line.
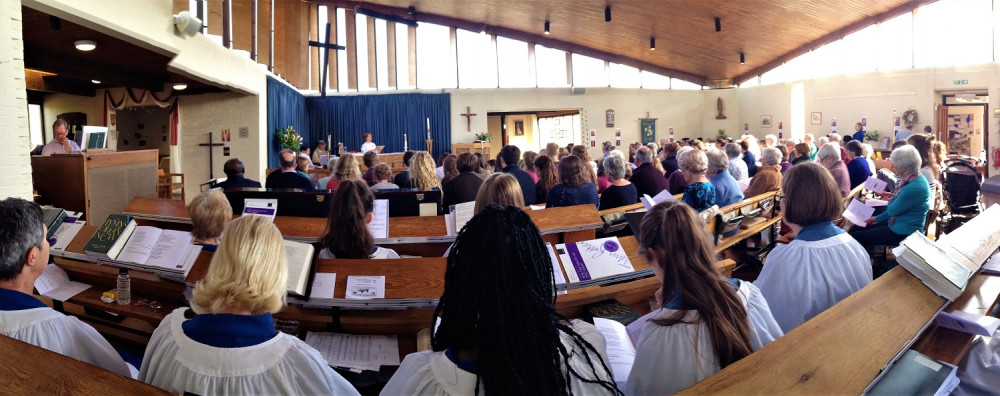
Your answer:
<point x="652" y="43"/>
<point x="743" y="59"/>
<point x="607" y="14"/>
<point x="546" y="27"/>
<point x="180" y="86"/>
<point x="96" y="81"/>
<point x="718" y="24"/>
<point x="85" y="45"/>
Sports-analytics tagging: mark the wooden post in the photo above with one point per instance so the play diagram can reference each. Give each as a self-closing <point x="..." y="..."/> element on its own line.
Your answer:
<point x="253" y="30"/>
<point x="390" y="41"/>
<point x="227" y="24"/>
<point x="352" y="49"/>
<point x="372" y="55"/>
<point x="332" y="65"/>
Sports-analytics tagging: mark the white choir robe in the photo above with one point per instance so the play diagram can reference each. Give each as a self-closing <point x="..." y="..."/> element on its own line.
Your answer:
<point x="281" y="365"/>
<point x="669" y="359"/>
<point x="803" y="278"/>
<point x="65" y="335"/>
<point x="380" y="253"/>
<point x="979" y="372"/>
<point x="432" y="373"/>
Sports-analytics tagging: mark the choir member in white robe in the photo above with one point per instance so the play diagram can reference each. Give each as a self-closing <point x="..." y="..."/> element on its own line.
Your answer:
<point x="823" y="264"/>
<point x="231" y="346"/>
<point x="676" y="347"/>
<point x="23" y="257"/>
<point x="979" y="372"/>
<point x="348" y="236"/>
<point x="500" y="332"/>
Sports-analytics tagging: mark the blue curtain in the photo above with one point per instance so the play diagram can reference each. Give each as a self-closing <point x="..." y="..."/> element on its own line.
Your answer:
<point x="386" y="117"/>
<point x="285" y="106"/>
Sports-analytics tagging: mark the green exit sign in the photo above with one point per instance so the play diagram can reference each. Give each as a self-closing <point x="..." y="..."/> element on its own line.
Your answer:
<point x="961" y="82"/>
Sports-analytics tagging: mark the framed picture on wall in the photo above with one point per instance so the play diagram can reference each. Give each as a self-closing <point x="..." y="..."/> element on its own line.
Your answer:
<point x="816" y="118"/>
<point x="765" y="121"/>
<point x="518" y="128"/>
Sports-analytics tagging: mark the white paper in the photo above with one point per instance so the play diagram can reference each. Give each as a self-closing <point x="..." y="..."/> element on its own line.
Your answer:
<point x="858" y="213"/>
<point x="365" y="287"/>
<point x="379" y="227"/>
<point x="140" y="244"/>
<point x="264" y="207"/>
<point x="557" y="273"/>
<point x="536" y="207"/>
<point x="462" y="213"/>
<point x="323" y="285"/>
<point x="969" y="322"/>
<point x="875" y="184"/>
<point x="876" y="202"/>
<point x="54" y="283"/>
<point x="650" y="202"/>
<point x="367" y="352"/>
<point x="621" y="352"/>
<point x="428" y="209"/>
<point x="65" y="234"/>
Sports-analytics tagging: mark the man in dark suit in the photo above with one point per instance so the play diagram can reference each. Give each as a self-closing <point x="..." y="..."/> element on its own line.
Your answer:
<point x="288" y="177"/>
<point x="234" y="176"/>
<point x="646" y="178"/>
<point x="465" y="186"/>
<point x="402" y="179"/>
<point x="509" y="155"/>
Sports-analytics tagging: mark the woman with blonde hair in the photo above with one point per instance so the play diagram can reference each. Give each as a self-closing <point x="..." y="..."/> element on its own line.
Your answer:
<point x="500" y="189"/>
<point x="705" y="321"/>
<point x="230" y="345"/>
<point x="210" y="213"/>
<point x="347" y="168"/>
<point x="581" y="152"/>
<point x="422" y="174"/>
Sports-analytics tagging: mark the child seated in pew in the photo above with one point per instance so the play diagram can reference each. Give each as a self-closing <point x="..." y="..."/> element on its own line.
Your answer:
<point x="230" y="346"/>
<point x="499" y="331"/>
<point x="823" y="264"/>
<point x="210" y="213"/>
<point x="347" y="235"/>
<point x="706" y="321"/>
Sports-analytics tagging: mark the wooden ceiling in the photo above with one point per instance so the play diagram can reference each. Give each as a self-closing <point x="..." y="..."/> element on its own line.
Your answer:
<point x="115" y="62"/>
<point x="768" y="32"/>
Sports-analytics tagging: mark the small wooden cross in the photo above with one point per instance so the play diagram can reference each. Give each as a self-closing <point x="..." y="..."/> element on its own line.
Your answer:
<point x="468" y="114"/>
<point x="210" y="145"/>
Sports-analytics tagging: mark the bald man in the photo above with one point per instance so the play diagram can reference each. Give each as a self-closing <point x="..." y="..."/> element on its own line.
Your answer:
<point x="234" y="176"/>
<point x="646" y="178"/>
<point x="287" y="177"/>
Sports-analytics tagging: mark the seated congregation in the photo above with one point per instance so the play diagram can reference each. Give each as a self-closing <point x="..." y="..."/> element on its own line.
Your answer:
<point x="499" y="330"/>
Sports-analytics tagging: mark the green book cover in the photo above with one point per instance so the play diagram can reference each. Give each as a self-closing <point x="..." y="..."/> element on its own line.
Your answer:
<point x="53" y="218"/>
<point x="107" y="235"/>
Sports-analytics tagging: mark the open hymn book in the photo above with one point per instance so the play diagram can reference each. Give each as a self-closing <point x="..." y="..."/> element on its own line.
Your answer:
<point x="167" y="252"/>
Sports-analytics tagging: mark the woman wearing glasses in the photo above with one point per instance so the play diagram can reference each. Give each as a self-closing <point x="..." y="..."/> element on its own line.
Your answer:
<point x="823" y="264"/>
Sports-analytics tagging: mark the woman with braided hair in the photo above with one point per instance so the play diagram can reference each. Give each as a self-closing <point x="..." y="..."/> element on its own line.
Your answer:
<point x="500" y="332"/>
<point x="705" y="321"/>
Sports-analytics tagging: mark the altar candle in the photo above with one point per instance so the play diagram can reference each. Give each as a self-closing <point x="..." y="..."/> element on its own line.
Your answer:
<point x="428" y="127"/>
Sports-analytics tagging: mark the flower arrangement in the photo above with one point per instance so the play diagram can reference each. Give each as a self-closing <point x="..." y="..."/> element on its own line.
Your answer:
<point x="871" y="136"/>
<point x="483" y="137"/>
<point x="287" y="138"/>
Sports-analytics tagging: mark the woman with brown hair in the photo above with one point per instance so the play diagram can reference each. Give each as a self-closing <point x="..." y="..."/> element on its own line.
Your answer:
<point x="548" y="176"/>
<point x="582" y="152"/>
<point x="823" y="264"/>
<point x="450" y="168"/>
<point x="801" y="154"/>
<point x="422" y="175"/>
<point x="347" y="234"/>
<point x="575" y="186"/>
<point x="528" y="164"/>
<point x="705" y="321"/>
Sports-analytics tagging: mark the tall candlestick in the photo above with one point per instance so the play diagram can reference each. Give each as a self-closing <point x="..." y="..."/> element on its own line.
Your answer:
<point x="428" y="127"/>
<point x="405" y="147"/>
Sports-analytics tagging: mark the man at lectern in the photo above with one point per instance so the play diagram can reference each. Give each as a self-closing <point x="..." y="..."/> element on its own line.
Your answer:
<point x="60" y="144"/>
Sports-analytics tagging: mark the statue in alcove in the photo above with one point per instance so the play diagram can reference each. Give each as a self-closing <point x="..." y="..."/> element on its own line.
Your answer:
<point x="718" y="105"/>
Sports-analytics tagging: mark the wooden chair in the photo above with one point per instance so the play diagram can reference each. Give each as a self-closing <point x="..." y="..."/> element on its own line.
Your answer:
<point x="166" y="185"/>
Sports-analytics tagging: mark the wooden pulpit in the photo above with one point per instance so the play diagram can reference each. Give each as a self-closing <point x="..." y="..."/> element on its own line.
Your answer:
<point x="96" y="183"/>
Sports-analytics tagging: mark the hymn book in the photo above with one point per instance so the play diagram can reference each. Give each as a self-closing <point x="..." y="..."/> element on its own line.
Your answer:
<point x="264" y="207"/>
<point x="943" y="269"/>
<point x="109" y="239"/>
<point x="916" y="374"/>
<point x="598" y="258"/>
<point x="300" y="257"/>
<point x="153" y="247"/>
<point x="53" y="218"/>
<point x="650" y="202"/>
<point x="459" y="215"/>
<point x="379" y="227"/>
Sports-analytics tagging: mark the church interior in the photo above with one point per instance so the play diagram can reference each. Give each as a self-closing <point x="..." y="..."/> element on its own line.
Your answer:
<point x="392" y="128"/>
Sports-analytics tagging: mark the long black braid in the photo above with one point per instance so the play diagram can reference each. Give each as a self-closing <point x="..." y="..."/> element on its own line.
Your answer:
<point x="499" y="305"/>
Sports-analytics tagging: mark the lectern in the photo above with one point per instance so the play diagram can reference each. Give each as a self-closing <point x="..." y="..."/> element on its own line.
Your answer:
<point x="96" y="183"/>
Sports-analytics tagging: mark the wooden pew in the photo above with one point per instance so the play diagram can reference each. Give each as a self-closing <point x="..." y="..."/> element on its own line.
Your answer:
<point x="725" y="242"/>
<point x="26" y="369"/>
<point x="950" y="346"/>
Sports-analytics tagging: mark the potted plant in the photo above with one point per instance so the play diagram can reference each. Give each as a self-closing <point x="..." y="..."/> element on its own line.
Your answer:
<point x="482" y="137"/>
<point x="872" y="135"/>
<point x="287" y="138"/>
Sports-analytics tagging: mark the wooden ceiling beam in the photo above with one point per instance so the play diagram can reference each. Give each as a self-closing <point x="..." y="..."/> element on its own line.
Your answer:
<point x="38" y="81"/>
<point x="829" y="38"/>
<point x="87" y="70"/>
<point x="522" y="36"/>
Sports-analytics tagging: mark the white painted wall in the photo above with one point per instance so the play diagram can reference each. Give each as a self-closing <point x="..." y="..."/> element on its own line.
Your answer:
<point x="15" y="163"/>
<point x="55" y="104"/>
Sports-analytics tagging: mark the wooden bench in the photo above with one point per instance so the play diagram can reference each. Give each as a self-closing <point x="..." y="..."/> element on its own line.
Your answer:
<point x="26" y="369"/>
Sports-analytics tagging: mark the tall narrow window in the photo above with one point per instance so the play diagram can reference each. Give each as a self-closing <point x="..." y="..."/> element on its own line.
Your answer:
<point x="381" y="54"/>
<point x="512" y="58"/>
<point x="435" y="61"/>
<point x="589" y="72"/>
<point x="477" y="60"/>
<point x="403" y="57"/>
<point x="625" y="76"/>
<point x="551" y="66"/>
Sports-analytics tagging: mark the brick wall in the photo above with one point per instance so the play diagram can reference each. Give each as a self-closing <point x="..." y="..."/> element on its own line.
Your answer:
<point x="15" y="163"/>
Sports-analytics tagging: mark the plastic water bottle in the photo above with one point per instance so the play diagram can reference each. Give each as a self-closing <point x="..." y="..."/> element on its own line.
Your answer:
<point x="124" y="287"/>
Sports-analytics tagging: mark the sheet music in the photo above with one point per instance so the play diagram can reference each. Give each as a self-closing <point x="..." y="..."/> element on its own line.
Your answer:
<point x="365" y="287"/>
<point x="858" y="213"/>
<point x="54" y="283"/>
<point x="367" y="352"/>
<point x="463" y="213"/>
<point x="875" y="184"/>
<point x="379" y="227"/>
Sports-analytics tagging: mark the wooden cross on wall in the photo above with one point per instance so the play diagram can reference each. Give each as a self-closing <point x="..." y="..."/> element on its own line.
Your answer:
<point x="210" y="145"/>
<point x="325" y="46"/>
<point x="468" y="114"/>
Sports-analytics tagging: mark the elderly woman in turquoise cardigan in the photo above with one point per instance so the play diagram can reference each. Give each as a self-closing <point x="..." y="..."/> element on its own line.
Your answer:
<point x="907" y="208"/>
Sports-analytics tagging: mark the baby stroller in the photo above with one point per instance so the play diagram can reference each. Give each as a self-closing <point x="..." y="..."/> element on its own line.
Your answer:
<point x="962" y="184"/>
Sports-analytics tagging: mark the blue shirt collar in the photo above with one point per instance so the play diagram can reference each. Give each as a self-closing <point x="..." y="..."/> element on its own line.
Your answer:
<point x="464" y="365"/>
<point x="13" y="300"/>
<point x="818" y="231"/>
<point x="677" y="301"/>
<point x="208" y="247"/>
<point x="230" y="330"/>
